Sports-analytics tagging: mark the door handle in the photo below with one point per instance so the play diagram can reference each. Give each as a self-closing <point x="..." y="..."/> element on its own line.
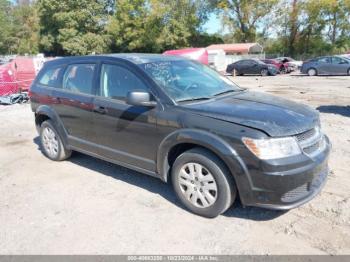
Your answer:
<point x="56" y="100"/>
<point x="100" y="110"/>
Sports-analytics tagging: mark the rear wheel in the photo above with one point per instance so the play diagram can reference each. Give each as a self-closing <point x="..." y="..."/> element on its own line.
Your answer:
<point x="51" y="142"/>
<point x="349" y="72"/>
<point x="312" y="72"/>
<point x="236" y="73"/>
<point x="264" y="72"/>
<point x="203" y="183"/>
<point x="283" y="70"/>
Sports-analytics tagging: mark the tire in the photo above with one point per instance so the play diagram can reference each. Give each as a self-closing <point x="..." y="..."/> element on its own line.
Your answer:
<point x="237" y="73"/>
<point x="283" y="70"/>
<point x="312" y="72"/>
<point x="51" y="143"/>
<point x="264" y="72"/>
<point x="209" y="194"/>
<point x="349" y="72"/>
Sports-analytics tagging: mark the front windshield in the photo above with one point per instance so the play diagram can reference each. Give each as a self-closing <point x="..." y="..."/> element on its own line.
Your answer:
<point x="185" y="80"/>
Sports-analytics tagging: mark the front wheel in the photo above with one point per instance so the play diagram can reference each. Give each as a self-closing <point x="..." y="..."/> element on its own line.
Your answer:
<point x="203" y="183"/>
<point x="264" y="72"/>
<point x="349" y="72"/>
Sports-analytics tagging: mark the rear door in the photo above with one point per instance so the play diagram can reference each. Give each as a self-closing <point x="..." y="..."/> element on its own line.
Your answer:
<point x="124" y="132"/>
<point x="324" y="65"/>
<point x="73" y="102"/>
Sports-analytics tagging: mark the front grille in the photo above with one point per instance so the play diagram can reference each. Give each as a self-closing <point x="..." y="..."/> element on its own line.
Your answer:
<point x="306" y="135"/>
<point x="296" y="193"/>
<point x="309" y="150"/>
<point x="311" y="141"/>
<point x="305" y="189"/>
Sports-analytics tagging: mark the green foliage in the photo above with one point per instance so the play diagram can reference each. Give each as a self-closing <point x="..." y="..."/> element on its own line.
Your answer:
<point x="5" y="26"/>
<point x="312" y="27"/>
<point x="19" y="27"/>
<point x="69" y="27"/>
<point x="73" y="27"/>
<point x="243" y="17"/>
<point x="26" y="28"/>
<point x="155" y="25"/>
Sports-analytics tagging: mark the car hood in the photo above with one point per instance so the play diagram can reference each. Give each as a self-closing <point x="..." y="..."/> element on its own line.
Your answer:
<point x="273" y="115"/>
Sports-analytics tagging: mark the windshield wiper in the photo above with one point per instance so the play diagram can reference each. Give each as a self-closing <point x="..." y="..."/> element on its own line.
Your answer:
<point x="226" y="92"/>
<point x="195" y="99"/>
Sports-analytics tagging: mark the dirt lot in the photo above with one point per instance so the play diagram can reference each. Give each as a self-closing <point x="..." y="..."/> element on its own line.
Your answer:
<point x="88" y="206"/>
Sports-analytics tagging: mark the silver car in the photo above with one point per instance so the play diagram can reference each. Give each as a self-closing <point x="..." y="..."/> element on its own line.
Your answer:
<point x="326" y="65"/>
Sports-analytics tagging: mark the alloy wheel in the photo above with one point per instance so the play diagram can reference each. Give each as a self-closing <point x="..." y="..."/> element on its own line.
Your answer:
<point x="50" y="142"/>
<point x="264" y="72"/>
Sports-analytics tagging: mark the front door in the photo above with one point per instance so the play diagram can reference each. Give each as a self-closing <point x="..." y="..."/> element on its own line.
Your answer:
<point x="340" y="66"/>
<point x="124" y="132"/>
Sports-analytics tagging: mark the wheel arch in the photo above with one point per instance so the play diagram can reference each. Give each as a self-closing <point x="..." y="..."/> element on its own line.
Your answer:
<point x="182" y="140"/>
<point x="44" y="113"/>
<point x="312" y="68"/>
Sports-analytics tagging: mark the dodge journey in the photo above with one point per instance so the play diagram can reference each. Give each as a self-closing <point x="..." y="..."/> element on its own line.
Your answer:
<point x="184" y="123"/>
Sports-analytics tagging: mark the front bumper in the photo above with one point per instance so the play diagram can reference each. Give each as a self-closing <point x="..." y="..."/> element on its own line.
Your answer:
<point x="286" y="183"/>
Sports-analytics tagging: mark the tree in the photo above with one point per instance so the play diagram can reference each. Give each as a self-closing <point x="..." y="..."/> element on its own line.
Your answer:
<point x="156" y="25"/>
<point x="128" y="27"/>
<point x="25" y="27"/>
<point x="5" y="26"/>
<point x="313" y="27"/>
<point x="243" y="17"/>
<point x="73" y="27"/>
<point x="177" y="21"/>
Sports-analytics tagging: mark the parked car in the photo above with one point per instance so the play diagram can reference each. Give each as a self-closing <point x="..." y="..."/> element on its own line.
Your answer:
<point x="293" y="64"/>
<point x="283" y="68"/>
<point x="346" y="56"/>
<point x="326" y="65"/>
<point x="251" y="67"/>
<point x="180" y="121"/>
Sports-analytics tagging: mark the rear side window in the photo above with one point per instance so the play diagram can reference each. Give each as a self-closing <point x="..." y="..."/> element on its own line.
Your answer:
<point x="79" y="78"/>
<point x="324" y="60"/>
<point x="246" y="62"/>
<point x="117" y="81"/>
<point x="51" y="77"/>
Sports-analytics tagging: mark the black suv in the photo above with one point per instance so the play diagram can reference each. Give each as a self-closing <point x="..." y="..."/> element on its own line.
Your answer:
<point x="180" y="121"/>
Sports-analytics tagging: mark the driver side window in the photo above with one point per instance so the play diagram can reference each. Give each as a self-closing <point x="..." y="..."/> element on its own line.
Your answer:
<point x="117" y="81"/>
<point x="338" y="60"/>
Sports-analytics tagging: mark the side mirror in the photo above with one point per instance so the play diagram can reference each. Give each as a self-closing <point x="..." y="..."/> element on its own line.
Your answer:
<point x="140" y="98"/>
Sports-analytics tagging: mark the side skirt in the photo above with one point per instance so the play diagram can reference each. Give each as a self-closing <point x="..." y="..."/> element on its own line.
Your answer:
<point x="135" y="168"/>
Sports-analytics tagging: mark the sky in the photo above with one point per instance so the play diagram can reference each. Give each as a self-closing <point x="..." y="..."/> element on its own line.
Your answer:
<point x="213" y="25"/>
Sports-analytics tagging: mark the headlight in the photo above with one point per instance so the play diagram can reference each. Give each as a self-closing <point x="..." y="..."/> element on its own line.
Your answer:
<point x="273" y="148"/>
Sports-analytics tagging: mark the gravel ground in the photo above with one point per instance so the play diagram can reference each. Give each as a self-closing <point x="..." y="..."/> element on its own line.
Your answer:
<point x="88" y="206"/>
